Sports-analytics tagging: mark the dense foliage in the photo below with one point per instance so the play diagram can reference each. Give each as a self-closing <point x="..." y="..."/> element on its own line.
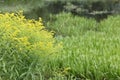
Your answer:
<point x="92" y="55"/>
<point x="29" y="51"/>
<point x="23" y="44"/>
<point x="43" y="8"/>
<point x="68" y="25"/>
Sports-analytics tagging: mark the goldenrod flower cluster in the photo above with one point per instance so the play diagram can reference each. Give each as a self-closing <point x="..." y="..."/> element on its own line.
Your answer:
<point x="20" y="40"/>
<point x="27" y="33"/>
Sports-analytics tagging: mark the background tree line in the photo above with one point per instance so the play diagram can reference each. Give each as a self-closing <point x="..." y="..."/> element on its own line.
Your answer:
<point x="43" y="8"/>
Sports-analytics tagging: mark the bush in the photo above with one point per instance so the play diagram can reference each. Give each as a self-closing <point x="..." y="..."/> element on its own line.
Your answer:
<point x="23" y="44"/>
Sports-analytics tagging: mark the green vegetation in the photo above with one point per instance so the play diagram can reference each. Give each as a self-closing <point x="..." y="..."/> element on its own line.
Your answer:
<point x="70" y="47"/>
<point x="24" y="44"/>
<point x="68" y="25"/>
<point x="90" y="49"/>
<point x="93" y="55"/>
<point x="43" y="8"/>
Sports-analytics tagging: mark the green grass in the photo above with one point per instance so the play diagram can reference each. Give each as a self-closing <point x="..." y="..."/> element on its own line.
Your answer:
<point x="91" y="54"/>
<point x="69" y="25"/>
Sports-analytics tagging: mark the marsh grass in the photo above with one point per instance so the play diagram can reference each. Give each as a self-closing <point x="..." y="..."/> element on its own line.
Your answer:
<point x="90" y="50"/>
<point x="92" y="55"/>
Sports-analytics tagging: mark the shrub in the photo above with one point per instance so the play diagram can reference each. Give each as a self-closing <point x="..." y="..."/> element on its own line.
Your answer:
<point x="23" y="43"/>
